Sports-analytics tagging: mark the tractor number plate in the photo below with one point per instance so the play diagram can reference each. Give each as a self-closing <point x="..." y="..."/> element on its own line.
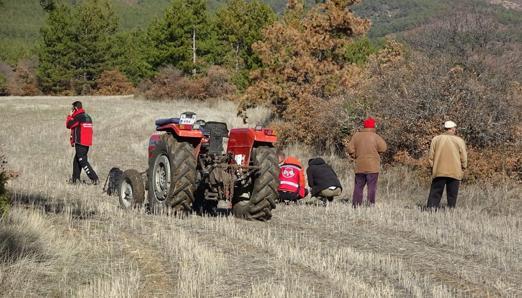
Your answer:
<point x="187" y="120"/>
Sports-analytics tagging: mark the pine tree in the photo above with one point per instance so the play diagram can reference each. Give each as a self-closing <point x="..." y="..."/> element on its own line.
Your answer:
<point x="240" y="25"/>
<point x="184" y="38"/>
<point x="130" y="54"/>
<point x="75" y="46"/>
<point x="96" y="23"/>
<point x="56" y="51"/>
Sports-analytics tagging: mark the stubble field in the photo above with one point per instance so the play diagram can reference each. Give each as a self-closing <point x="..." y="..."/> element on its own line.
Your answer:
<point x="74" y="241"/>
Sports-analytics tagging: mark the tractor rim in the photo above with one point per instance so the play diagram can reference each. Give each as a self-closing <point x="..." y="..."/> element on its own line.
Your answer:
<point x="162" y="177"/>
<point x="126" y="193"/>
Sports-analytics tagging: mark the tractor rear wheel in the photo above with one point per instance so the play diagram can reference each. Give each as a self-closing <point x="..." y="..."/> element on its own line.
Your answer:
<point x="131" y="192"/>
<point x="172" y="175"/>
<point x="264" y="192"/>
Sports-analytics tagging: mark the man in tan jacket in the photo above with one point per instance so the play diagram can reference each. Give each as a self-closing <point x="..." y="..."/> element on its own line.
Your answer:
<point x="365" y="147"/>
<point x="448" y="159"/>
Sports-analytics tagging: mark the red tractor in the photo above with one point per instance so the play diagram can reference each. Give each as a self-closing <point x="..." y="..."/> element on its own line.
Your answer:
<point x="189" y="169"/>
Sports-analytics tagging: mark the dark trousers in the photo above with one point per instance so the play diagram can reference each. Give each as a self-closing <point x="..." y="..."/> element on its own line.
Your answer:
<point x="437" y="187"/>
<point x="81" y="162"/>
<point x="362" y="180"/>
<point x="285" y="196"/>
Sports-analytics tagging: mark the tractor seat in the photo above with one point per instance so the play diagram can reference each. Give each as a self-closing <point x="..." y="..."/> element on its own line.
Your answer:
<point x="215" y="131"/>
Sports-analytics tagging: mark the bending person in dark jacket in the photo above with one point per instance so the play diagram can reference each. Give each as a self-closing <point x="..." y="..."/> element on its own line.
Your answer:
<point x="322" y="179"/>
<point x="80" y="124"/>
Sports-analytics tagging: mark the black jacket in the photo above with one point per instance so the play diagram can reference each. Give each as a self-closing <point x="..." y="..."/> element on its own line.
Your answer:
<point x="321" y="176"/>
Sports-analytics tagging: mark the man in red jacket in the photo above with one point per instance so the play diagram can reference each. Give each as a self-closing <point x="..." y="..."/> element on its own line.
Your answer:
<point x="292" y="185"/>
<point x="80" y="124"/>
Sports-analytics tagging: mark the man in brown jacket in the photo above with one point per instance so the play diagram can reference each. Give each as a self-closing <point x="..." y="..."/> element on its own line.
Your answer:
<point x="365" y="147"/>
<point x="448" y="159"/>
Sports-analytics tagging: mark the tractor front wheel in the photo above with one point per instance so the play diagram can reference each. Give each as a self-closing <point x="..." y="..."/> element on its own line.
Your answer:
<point x="131" y="192"/>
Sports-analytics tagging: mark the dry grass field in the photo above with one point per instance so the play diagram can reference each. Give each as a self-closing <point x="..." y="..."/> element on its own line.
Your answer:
<point x="74" y="241"/>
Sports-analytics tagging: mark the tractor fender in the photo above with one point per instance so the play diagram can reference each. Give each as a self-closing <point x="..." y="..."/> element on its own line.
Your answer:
<point x="241" y="142"/>
<point x="194" y="138"/>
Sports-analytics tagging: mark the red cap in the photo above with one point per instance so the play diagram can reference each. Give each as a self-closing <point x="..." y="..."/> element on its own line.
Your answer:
<point x="369" y="122"/>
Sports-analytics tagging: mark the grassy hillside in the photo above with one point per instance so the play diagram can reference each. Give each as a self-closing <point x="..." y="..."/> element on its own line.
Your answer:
<point x="73" y="241"/>
<point x="390" y="16"/>
<point x="20" y="22"/>
<point x="394" y="16"/>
